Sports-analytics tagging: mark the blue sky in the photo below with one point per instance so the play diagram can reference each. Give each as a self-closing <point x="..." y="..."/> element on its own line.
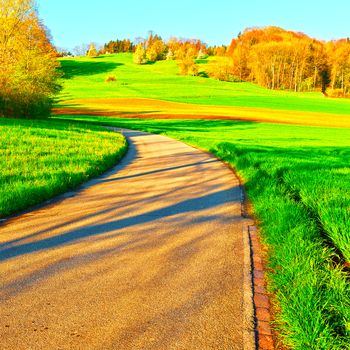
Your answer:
<point x="74" y="22"/>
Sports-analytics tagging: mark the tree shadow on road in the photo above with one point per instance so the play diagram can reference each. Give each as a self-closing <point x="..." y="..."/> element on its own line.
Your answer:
<point x="212" y="200"/>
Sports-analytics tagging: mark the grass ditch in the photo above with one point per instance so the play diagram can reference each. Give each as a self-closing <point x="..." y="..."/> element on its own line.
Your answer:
<point x="41" y="159"/>
<point x="289" y="172"/>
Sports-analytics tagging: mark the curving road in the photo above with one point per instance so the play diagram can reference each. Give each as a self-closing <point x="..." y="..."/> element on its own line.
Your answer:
<point x="149" y="256"/>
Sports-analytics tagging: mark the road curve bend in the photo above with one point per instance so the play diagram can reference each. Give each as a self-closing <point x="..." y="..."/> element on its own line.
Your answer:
<point x="149" y="256"/>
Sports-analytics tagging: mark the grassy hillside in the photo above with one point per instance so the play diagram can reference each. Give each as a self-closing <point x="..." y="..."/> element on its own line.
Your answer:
<point x="40" y="159"/>
<point x="85" y="79"/>
<point x="297" y="176"/>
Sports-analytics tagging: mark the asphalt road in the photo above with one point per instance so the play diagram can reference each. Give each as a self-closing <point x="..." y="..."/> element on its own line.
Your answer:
<point x="149" y="256"/>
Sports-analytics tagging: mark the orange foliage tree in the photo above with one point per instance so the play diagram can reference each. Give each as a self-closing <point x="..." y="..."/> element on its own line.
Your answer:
<point x="28" y="74"/>
<point x="279" y="59"/>
<point x="339" y="52"/>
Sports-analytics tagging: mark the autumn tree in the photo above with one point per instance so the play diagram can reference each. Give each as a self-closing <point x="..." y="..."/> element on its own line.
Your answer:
<point x="319" y="65"/>
<point x="92" y="52"/>
<point x="222" y="69"/>
<point x="220" y="50"/>
<point x="186" y="60"/>
<point x="28" y="75"/>
<point x="240" y="61"/>
<point x="201" y="54"/>
<point x="339" y="52"/>
<point x="156" y="50"/>
<point x="140" y="54"/>
<point x="181" y="47"/>
<point x="151" y="39"/>
<point x="231" y="47"/>
<point x="170" y="56"/>
<point x="186" y="51"/>
<point x="279" y="59"/>
<point x="188" y="66"/>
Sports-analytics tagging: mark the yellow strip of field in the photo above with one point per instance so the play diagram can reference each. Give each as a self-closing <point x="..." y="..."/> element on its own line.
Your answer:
<point x="151" y="108"/>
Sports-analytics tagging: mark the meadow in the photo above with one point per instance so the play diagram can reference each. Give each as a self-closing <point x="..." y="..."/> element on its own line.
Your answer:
<point x="41" y="159"/>
<point x="85" y="79"/>
<point x="296" y="176"/>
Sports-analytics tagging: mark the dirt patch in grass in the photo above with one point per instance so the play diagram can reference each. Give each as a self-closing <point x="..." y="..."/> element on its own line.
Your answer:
<point x="158" y="109"/>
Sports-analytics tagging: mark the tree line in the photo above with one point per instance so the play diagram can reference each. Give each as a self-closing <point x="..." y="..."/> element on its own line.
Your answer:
<point x="185" y="51"/>
<point x="28" y="74"/>
<point x="279" y="59"/>
<point x="271" y="57"/>
<point x="118" y="46"/>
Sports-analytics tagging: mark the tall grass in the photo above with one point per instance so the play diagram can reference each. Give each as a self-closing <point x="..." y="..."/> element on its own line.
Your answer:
<point x="40" y="159"/>
<point x="298" y="179"/>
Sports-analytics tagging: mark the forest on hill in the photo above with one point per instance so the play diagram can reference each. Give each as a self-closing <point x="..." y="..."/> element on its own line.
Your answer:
<point x="271" y="57"/>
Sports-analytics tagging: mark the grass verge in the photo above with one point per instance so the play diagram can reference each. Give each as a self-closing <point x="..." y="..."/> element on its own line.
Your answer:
<point x="297" y="178"/>
<point x="41" y="159"/>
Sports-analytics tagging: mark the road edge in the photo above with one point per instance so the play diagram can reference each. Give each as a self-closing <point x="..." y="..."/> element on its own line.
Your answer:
<point x="249" y="338"/>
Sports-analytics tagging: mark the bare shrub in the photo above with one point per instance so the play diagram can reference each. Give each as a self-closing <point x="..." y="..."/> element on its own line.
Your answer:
<point x="110" y="79"/>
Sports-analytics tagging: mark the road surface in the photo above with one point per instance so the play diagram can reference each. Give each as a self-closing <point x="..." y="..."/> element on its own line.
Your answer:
<point x="149" y="256"/>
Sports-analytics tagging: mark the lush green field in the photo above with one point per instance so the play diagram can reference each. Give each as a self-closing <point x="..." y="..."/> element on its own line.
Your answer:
<point x="85" y="78"/>
<point x="40" y="159"/>
<point x="297" y="178"/>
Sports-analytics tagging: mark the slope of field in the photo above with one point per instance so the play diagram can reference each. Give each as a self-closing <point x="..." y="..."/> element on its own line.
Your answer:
<point x="297" y="178"/>
<point x="85" y="81"/>
<point x="40" y="159"/>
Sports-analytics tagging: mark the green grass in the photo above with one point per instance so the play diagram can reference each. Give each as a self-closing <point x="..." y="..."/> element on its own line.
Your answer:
<point x="297" y="178"/>
<point x="85" y="78"/>
<point x="40" y="159"/>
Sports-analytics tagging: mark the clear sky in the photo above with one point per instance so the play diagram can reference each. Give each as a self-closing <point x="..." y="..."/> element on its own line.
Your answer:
<point x="216" y="22"/>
